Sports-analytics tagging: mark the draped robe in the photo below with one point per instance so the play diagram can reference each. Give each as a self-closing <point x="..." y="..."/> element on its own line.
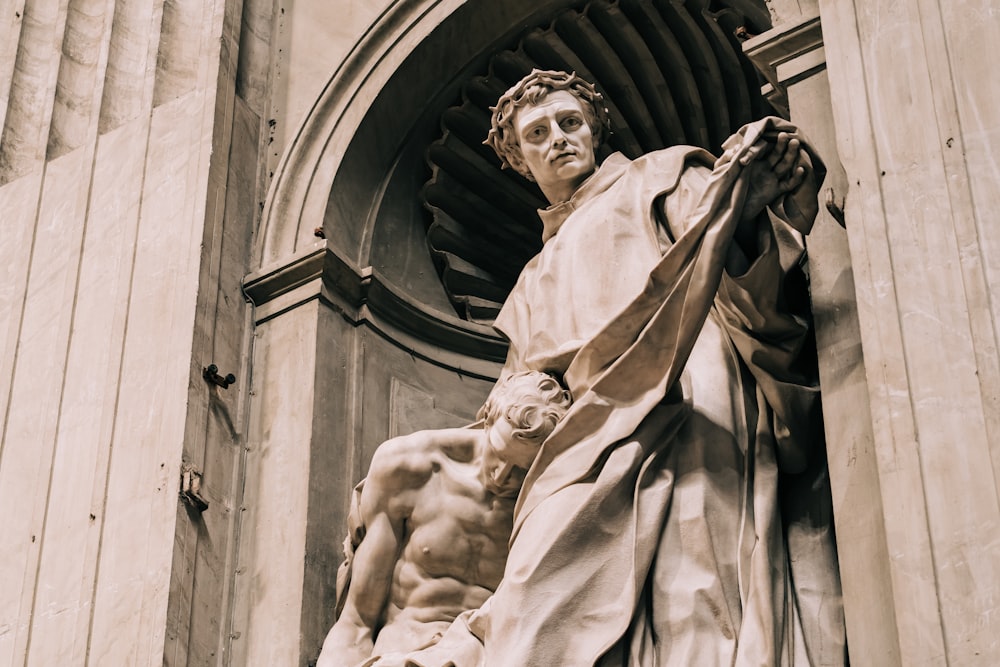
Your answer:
<point x="649" y="530"/>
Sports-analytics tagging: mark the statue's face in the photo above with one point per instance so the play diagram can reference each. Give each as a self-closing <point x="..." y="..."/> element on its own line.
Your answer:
<point x="510" y="447"/>
<point x="506" y="458"/>
<point x="556" y="143"/>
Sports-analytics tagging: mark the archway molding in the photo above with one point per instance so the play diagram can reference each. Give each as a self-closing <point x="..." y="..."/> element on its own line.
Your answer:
<point x="356" y="167"/>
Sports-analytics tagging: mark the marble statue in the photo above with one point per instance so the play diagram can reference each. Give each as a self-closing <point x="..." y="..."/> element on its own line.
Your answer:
<point x="676" y="514"/>
<point x="434" y="518"/>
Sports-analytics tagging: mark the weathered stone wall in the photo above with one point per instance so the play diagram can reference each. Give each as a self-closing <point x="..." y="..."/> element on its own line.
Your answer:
<point x="128" y="171"/>
<point x="905" y="303"/>
<point x="138" y="139"/>
<point x="915" y="105"/>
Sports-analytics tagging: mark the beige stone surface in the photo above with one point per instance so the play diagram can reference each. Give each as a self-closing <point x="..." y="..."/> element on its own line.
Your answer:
<point x="921" y="245"/>
<point x="199" y="615"/>
<point x="270" y="585"/>
<point x="851" y="449"/>
<point x="310" y="41"/>
<point x="784" y="12"/>
<point x="103" y="211"/>
<point x="88" y="412"/>
<point x="30" y="428"/>
<point x="19" y="200"/>
<point x="130" y="600"/>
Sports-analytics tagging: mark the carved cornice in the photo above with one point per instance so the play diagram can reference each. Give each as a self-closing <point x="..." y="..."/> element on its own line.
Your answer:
<point x="365" y="297"/>
<point x="264" y="286"/>
<point x="786" y="54"/>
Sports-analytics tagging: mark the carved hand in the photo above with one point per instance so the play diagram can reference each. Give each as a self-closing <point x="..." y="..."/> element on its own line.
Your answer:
<point x="775" y="166"/>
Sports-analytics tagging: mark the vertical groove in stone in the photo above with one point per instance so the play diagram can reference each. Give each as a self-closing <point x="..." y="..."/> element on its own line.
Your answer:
<point x="253" y="84"/>
<point x="177" y="58"/>
<point x="254" y="52"/>
<point x="22" y="143"/>
<point x="968" y="153"/>
<point x="77" y="81"/>
<point x="10" y="27"/>
<point x="134" y="39"/>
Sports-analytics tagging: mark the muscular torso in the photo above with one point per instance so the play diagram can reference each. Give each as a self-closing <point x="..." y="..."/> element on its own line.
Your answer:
<point x="452" y="557"/>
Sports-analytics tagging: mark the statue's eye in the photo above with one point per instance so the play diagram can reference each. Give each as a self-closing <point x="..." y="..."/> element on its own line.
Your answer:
<point x="537" y="132"/>
<point x="571" y="123"/>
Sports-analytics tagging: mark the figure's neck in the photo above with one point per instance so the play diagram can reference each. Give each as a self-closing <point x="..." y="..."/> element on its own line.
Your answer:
<point x="506" y="484"/>
<point x="600" y="180"/>
<point x="558" y="193"/>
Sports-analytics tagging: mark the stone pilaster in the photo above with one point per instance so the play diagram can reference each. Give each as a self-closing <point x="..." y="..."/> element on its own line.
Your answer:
<point x="793" y="60"/>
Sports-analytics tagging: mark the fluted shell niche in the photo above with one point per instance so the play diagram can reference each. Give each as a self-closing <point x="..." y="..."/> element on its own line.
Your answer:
<point x="419" y="198"/>
<point x="670" y="72"/>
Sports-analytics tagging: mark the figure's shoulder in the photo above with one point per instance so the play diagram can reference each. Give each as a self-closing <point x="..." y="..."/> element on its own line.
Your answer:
<point x="660" y="172"/>
<point x="412" y="458"/>
<point x="671" y="162"/>
<point x="403" y="453"/>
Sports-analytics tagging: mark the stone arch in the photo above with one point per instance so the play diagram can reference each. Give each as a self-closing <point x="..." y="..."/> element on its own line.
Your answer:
<point x="358" y="165"/>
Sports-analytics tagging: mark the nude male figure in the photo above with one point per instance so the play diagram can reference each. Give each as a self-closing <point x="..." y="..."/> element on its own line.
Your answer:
<point x="437" y="507"/>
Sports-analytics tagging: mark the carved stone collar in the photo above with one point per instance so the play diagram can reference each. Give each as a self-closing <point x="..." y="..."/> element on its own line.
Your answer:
<point x="606" y="175"/>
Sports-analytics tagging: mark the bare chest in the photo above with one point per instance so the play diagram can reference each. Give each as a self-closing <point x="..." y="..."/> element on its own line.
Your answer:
<point x="458" y="530"/>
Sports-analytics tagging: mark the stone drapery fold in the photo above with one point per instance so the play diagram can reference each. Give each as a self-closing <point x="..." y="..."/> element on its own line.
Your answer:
<point x="648" y="531"/>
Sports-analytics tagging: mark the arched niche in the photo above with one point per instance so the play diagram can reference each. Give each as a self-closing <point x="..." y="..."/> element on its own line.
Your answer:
<point x="378" y="145"/>
<point x="353" y="158"/>
<point x="360" y="335"/>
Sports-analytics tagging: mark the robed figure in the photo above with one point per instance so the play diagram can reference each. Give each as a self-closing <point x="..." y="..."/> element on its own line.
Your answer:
<point x="677" y="514"/>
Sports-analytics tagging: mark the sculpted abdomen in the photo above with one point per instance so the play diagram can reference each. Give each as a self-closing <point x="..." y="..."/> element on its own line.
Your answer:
<point x="467" y="548"/>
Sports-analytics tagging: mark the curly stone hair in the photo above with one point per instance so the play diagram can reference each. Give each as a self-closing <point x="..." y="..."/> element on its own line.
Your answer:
<point x="531" y="401"/>
<point x="530" y="90"/>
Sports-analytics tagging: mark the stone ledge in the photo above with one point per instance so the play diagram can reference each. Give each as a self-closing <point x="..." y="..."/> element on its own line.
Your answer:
<point x="777" y="54"/>
<point x="364" y="296"/>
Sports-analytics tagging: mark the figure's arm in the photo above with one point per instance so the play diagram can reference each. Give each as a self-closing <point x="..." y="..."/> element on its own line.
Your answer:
<point x="763" y="296"/>
<point x="396" y="475"/>
<point x="780" y="178"/>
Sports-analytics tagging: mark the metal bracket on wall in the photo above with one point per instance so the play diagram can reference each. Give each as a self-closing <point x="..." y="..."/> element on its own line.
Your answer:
<point x="211" y="374"/>
<point x="835" y="209"/>
<point x="191" y="487"/>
